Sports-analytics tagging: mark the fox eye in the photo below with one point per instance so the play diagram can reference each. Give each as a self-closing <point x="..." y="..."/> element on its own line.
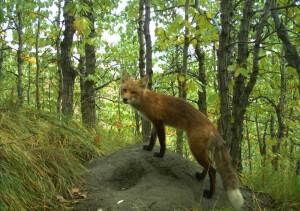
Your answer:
<point x="124" y="90"/>
<point x="133" y="92"/>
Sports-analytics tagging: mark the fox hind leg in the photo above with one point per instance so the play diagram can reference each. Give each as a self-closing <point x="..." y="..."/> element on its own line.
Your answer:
<point x="204" y="161"/>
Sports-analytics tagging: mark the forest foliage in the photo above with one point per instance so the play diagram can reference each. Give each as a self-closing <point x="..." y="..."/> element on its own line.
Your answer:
<point x="237" y="61"/>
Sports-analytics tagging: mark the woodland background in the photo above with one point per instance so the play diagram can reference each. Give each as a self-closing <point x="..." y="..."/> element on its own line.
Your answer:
<point x="237" y="61"/>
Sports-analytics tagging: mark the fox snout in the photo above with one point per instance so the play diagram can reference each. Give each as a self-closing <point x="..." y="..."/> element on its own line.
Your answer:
<point x="125" y="100"/>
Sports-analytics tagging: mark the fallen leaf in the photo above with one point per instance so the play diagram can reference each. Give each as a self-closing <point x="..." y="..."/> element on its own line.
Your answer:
<point x="75" y="190"/>
<point x="60" y="198"/>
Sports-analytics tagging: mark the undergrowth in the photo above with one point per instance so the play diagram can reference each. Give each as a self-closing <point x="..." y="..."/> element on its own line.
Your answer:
<point x="42" y="156"/>
<point x="282" y="186"/>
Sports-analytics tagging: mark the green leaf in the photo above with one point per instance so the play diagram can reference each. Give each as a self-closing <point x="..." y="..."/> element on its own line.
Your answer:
<point x="243" y="71"/>
<point x="231" y="68"/>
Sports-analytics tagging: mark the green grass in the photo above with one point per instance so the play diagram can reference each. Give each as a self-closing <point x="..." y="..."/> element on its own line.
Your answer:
<point x="42" y="156"/>
<point x="282" y="186"/>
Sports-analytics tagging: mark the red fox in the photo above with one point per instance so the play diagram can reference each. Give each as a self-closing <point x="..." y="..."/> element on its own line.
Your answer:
<point x="202" y="135"/>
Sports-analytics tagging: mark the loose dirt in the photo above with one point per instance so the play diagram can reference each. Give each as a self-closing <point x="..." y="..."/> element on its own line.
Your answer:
<point x="133" y="179"/>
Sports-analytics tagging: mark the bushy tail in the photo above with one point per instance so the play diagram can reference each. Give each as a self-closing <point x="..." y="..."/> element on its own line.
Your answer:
<point x="224" y="167"/>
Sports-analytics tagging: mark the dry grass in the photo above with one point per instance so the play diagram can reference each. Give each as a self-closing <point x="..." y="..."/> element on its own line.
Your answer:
<point x="41" y="156"/>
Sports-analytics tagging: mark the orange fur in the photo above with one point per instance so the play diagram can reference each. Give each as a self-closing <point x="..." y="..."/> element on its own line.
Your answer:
<point x="202" y="135"/>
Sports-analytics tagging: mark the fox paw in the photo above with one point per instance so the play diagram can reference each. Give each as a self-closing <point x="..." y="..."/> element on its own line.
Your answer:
<point x="158" y="155"/>
<point x="207" y="194"/>
<point x="147" y="148"/>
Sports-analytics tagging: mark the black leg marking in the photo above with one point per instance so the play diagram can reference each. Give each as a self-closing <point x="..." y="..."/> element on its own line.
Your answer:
<point x="152" y="141"/>
<point x="160" y="130"/>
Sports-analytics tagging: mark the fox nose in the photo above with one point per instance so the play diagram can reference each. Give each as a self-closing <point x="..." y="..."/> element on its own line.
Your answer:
<point x="125" y="100"/>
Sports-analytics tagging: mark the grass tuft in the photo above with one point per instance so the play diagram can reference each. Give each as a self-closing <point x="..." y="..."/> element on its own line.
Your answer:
<point x="42" y="156"/>
<point x="282" y="186"/>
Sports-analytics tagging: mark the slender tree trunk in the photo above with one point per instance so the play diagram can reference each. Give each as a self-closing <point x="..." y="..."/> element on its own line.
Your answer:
<point x="58" y="57"/>
<point x="37" y="78"/>
<point x="202" y="105"/>
<point x="29" y="83"/>
<point x="291" y="54"/>
<point x="240" y="100"/>
<point x="182" y="76"/>
<point x="20" y="86"/>
<point x="1" y="66"/>
<point x="146" y="127"/>
<point x="66" y="63"/>
<point x="249" y="149"/>
<point x="224" y="60"/>
<point x="88" y="105"/>
<point x="280" y="113"/>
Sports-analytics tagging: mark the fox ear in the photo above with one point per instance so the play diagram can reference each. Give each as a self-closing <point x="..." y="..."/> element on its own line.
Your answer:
<point x="125" y="76"/>
<point x="144" y="81"/>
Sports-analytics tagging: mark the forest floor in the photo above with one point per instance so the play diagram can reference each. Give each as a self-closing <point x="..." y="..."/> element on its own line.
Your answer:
<point x="132" y="179"/>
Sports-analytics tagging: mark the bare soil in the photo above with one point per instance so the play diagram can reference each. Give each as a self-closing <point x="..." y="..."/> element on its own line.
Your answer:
<point x="133" y="179"/>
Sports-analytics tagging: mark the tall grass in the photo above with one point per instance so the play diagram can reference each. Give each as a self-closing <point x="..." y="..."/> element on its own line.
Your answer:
<point x="282" y="186"/>
<point x="42" y="156"/>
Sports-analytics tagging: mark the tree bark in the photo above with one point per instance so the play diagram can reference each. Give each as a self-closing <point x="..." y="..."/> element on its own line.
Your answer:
<point x="240" y="100"/>
<point x="146" y="125"/>
<point x="224" y="60"/>
<point x="291" y="54"/>
<point x="66" y="63"/>
<point x="20" y="86"/>
<point x="37" y="76"/>
<point x="88" y="105"/>
<point x="58" y="57"/>
<point x="182" y="76"/>
<point x="202" y="105"/>
<point x="1" y="66"/>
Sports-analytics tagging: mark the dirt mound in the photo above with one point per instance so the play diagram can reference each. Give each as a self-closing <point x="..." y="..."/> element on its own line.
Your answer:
<point x="132" y="179"/>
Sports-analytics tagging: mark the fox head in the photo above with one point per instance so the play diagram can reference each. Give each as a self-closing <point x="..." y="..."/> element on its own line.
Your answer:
<point x="132" y="91"/>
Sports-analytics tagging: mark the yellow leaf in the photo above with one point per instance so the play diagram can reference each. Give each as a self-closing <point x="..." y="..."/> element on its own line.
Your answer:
<point x="237" y="72"/>
<point x="186" y="89"/>
<point x="209" y="15"/>
<point x="217" y="45"/>
<point x="194" y="42"/>
<point x="182" y="39"/>
<point x="32" y="60"/>
<point x="159" y="31"/>
<point x="181" y="78"/>
<point x="26" y="58"/>
<point x="259" y="111"/>
<point x="32" y="15"/>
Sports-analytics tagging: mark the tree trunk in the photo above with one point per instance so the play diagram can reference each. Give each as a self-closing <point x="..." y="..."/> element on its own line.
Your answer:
<point x="20" y="86"/>
<point x="202" y="105"/>
<point x="240" y="100"/>
<point x="1" y="66"/>
<point x="58" y="57"/>
<point x="249" y="149"/>
<point x="291" y="54"/>
<point x="88" y="105"/>
<point x="280" y="114"/>
<point x="182" y="76"/>
<point x="37" y="76"/>
<point x="29" y="84"/>
<point x="224" y="60"/>
<point x="66" y="63"/>
<point x="146" y="125"/>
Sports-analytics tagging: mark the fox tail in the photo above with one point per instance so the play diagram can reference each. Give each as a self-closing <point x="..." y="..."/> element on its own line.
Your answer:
<point x="224" y="166"/>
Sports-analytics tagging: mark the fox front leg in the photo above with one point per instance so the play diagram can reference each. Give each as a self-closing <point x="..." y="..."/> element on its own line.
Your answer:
<point x="152" y="141"/>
